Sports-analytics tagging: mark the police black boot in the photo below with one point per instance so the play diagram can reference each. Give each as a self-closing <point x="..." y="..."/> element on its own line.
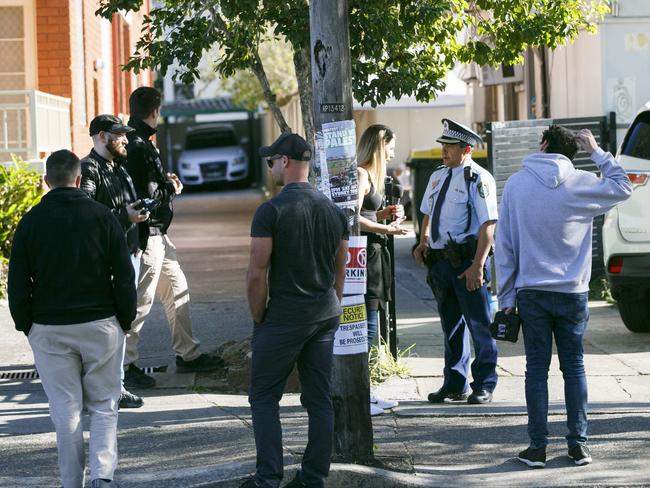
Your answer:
<point x="442" y="394"/>
<point x="479" y="397"/>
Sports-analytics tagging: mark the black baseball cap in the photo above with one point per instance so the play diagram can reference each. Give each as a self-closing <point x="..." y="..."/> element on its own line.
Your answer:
<point x="290" y="145"/>
<point x="108" y="123"/>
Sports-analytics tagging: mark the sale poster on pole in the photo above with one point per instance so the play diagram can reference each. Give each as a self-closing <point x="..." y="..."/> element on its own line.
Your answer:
<point x="352" y="334"/>
<point x="355" y="267"/>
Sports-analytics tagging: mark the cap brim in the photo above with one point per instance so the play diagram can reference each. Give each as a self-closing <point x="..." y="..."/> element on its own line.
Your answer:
<point x="121" y="129"/>
<point x="448" y="140"/>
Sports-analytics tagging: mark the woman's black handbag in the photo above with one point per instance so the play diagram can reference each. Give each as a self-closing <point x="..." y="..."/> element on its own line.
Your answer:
<point x="505" y="326"/>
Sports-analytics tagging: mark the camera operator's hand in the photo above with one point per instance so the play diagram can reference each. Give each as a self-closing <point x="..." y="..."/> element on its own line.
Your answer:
<point x="178" y="186"/>
<point x="586" y="141"/>
<point x="420" y="252"/>
<point x="473" y="276"/>
<point x="134" y="212"/>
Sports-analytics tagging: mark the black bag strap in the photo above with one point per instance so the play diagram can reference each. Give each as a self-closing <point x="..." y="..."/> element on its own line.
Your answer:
<point x="470" y="176"/>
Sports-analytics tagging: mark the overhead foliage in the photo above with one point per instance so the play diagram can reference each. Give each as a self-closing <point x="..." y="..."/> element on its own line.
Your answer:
<point x="398" y="48"/>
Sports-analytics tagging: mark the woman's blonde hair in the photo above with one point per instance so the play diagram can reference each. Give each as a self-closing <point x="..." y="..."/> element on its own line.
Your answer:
<point x="371" y="153"/>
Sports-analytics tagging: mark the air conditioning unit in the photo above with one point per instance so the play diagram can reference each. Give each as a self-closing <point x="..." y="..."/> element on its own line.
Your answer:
<point x="503" y="74"/>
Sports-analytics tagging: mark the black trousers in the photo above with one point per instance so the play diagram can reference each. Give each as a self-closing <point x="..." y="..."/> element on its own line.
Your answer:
<point x="276" y="349"/>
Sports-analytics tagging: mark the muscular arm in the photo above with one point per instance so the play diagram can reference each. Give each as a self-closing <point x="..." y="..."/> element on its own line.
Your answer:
<point x="341" y="259"/>
<point x="256" y="284"/>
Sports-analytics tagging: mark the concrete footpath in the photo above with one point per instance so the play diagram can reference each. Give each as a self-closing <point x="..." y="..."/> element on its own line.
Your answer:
<point x="187" y="435"/>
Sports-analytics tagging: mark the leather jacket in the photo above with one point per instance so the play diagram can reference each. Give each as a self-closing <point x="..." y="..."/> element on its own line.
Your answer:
<point x="109" y="183"/>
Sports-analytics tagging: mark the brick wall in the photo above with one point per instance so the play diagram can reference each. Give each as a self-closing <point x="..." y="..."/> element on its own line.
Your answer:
<point x="61" y="60"/>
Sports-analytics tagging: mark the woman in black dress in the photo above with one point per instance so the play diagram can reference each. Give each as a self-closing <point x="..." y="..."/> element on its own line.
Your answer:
<point x="377" y="147"/>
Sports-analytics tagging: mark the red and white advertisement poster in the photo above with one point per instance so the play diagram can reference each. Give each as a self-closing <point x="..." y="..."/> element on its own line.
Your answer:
<point x="355" y="268"/>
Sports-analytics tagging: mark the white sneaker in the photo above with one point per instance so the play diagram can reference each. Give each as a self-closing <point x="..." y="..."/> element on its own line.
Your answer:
<point x="375" y="410"/>
<point x="382" y="403"/>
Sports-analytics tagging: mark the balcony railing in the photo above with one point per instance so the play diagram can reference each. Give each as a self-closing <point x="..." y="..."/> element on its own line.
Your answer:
<point x="33" y="124"/>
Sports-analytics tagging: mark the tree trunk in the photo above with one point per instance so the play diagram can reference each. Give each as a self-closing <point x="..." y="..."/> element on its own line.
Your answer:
<point x="332" y="87"/>
<point x="258" y="69"/>
<point x="302" y="65"/>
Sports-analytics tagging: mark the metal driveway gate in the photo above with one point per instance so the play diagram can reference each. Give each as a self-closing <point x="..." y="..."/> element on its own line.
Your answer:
<point x="509" y="142"/>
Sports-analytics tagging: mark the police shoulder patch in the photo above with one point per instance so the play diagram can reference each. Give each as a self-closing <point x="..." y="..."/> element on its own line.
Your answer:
<point x="483" y="189"/>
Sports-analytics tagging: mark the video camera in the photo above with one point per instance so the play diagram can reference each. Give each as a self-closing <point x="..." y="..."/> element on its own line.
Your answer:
<point x="146" y="205"/>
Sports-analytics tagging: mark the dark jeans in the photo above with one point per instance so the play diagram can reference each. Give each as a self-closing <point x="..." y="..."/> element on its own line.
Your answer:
<point x="564" y="315"/>
<point x="459" y="311"/>
<point x="373" y="325"/>
<point x="276" y="349"/>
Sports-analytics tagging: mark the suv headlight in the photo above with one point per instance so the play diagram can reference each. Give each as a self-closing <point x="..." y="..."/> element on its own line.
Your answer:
<point x="239" y="161"/>
<point x="188" y="165"/>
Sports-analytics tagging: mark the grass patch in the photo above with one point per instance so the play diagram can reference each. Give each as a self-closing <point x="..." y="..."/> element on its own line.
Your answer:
<point x="382" y="365"/>
<point x="599" y="289"/>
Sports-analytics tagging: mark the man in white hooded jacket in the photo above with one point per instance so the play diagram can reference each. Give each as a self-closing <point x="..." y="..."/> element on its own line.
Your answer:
<point x="543" y="264"/>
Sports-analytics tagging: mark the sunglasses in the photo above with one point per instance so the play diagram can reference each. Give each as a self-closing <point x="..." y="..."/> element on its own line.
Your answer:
<point x="269" y="161"/>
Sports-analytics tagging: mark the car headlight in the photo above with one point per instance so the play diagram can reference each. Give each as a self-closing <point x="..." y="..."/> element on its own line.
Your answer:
<point x="239" y="161"/>
<point x="188" y="166"/>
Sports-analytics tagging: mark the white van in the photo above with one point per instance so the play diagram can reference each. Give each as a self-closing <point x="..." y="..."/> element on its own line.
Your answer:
<point x="212" y="153"/>
<point x="626" y="230"/>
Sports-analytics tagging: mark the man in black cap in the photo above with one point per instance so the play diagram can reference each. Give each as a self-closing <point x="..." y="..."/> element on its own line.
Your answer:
<point x="456" y="236"/>
<point x="104" y="179"/>
<point x="294" y="285"/>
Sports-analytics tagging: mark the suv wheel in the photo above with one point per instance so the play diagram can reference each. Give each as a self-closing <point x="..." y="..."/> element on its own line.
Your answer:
<point x="634" y="307"/>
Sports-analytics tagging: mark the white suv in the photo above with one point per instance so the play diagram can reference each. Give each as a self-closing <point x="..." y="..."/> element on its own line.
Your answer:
<point x="626" y="230"/>
<point x="212" y="153"/>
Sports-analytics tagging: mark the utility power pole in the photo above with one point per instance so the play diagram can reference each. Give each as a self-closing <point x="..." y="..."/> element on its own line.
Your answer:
<point x="332" y="86"/>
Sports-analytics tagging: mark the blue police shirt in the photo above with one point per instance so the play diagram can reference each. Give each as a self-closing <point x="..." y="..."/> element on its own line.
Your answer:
<point x="453" y="215"/>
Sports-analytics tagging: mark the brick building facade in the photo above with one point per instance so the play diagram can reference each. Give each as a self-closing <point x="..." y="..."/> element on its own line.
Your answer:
<point x="69" y="52"/>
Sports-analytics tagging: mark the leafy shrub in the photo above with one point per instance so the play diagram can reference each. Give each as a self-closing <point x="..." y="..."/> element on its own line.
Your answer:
<point x="20" y="189"/>
<point x="382" y="365"/>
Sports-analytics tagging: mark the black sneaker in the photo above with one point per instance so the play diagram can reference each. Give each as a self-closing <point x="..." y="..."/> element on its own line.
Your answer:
<point x="134" y="377"/>
<point x="580" y="454"/>
<point x="296" y="482"/>
<point x="533" y="457"/>
<point x="199" y="365"/>
<point x="129" y="400"/>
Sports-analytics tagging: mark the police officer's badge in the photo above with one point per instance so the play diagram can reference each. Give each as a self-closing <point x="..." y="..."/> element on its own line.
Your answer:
<point x="483" y="189"/>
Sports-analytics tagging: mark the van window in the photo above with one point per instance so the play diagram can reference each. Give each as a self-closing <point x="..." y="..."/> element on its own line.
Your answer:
<point x="637" y="139"/>
<point x="206" y="140"/>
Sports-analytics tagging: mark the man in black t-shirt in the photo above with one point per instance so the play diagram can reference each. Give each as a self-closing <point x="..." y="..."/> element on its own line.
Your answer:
<point x="294" y="284"/>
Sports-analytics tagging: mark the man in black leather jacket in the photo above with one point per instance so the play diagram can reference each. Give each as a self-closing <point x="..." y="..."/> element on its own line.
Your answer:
<point x="160" y="273"/>
<point x="105" y="180"/>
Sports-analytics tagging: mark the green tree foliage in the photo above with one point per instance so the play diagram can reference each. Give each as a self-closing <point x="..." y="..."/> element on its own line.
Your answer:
<point x="398" y="47"/>
<point x="20" y="190"/>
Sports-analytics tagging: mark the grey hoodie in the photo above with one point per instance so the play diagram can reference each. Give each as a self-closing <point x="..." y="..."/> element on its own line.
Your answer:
<point x="543" y="239"/>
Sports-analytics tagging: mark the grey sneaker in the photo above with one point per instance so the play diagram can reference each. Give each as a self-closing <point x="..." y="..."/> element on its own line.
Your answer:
<point x="580" y="454"/>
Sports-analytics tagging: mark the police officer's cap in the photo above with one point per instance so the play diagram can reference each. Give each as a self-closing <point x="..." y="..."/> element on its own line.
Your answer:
<point x="291" y="145"/>
<point x="108" y="123"/>
<point x="455" y="133"/>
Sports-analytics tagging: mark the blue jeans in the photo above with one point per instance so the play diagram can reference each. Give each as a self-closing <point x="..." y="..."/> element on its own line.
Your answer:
<point x="373" y="325"/>
<point x="276" y="349"/>
<point x="564" y="315"/>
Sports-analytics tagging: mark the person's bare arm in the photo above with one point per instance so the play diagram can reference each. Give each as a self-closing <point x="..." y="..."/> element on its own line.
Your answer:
<point x="256" y="281"/>
<point x="367" y="225"/>
<point x="341" y="259"/>
<point x="474" y="274"/>
<point x="420" y="252"/>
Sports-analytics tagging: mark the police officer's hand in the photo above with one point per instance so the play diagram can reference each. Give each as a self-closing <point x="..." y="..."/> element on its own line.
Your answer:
<point x="420" y="252"/>
<point x="586" y="140"/>
<point x="508" y="310"/>
<point x="135" y="215"/>
<point x="473" y="276"/>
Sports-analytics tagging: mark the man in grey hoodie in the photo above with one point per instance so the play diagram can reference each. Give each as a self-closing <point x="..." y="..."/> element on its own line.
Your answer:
<point x="543" y="263"/>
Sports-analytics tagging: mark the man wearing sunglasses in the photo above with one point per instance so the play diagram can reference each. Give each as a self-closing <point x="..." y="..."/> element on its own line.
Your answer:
<point x="294" y="284"/>
<point x="105" y="180"/>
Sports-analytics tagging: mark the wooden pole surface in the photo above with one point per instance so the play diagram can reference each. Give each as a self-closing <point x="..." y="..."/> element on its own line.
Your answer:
<point x="332" y="94"/>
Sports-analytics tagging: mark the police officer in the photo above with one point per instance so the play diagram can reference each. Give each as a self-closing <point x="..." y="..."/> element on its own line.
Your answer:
<point x="457" y="232"/>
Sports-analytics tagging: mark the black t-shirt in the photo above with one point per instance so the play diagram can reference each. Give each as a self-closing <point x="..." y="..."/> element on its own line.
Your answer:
<point x="306" y="228"/>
